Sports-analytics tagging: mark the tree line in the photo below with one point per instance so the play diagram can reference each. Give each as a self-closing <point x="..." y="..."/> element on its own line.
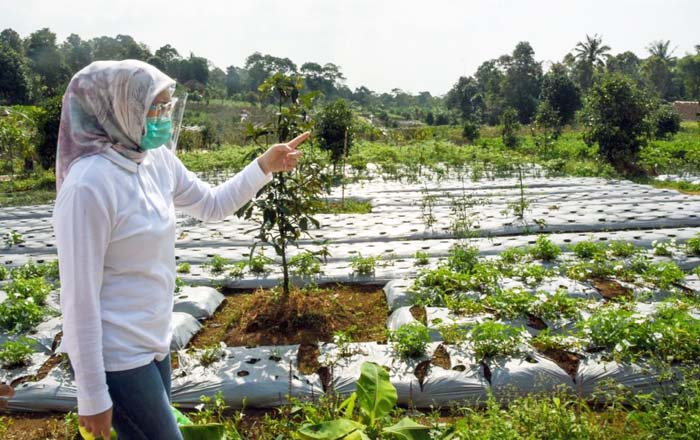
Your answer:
<point x="518" y="81"/>
<point x="38" y="67"/>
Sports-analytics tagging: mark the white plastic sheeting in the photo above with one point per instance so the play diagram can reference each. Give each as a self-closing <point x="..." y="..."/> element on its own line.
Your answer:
<point x="442" y="316"/>
<point x="596" y="375"/>
<point x="398" y="293"/>
<point x="46" y="332"/>
<point x="440" y="387"/>
<point x="200" y="302"/>
<point x="184" y="327"/>
<point x="523" y="375"/>
<point x="9" y="375"/>
<point x="56" y="392"/>
<point x="260" y="377"/>
<point x="571" y="288"/>
<point x="400" y="317"/>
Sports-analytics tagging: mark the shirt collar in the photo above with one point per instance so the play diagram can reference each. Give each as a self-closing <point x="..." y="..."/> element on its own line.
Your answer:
<point x="124" y="162"/>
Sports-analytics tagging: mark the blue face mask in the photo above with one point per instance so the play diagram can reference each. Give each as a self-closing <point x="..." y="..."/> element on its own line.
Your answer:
<point x="158" y="133"/>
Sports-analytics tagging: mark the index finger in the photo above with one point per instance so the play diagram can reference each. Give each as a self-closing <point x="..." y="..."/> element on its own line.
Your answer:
<point x="299" y="140"/>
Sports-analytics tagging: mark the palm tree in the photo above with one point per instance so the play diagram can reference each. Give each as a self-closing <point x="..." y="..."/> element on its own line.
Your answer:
<point x="660" y="49"/>
<point x="592" y="52"/>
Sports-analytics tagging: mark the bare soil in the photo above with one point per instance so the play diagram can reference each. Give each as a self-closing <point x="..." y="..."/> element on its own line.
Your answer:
<point x="566" y="360"/>
<point x="610" y="289"/>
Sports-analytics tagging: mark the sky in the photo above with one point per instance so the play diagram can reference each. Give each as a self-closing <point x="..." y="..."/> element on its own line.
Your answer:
<point x="381" y="44"/>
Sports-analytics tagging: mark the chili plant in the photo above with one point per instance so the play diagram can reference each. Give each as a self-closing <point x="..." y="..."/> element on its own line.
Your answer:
<point x="15" y="354"/>
<point x="410" y="340"/>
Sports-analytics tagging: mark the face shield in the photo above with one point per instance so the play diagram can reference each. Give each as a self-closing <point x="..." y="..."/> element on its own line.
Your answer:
<point x="171" y="111"/>
<point x="178" y="111"/>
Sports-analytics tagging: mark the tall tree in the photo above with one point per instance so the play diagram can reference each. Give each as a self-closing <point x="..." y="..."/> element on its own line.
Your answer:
<point x="626" y="63"/>
<point x="47" y="61"/>
<point x="233" y="81"/>
<point x="590" y="54"/>
<point x="689" y="72"/>
<point x="660" y="49"/>
<point x="523" y="77"/>
<point x="260" y="67"/>
<point x="561" y="94"/>
<point x="14" y="77"/>
<point x="76" y="52"/>
<point x="11" y="39"/>
<point x="489" y="76"/>
<point x="658" y="77"/>
<point x="465" y="96"/>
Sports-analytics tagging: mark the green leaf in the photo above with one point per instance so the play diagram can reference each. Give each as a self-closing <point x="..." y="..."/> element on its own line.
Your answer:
<point x="357" y="435"/>
<point x="376" y="394"/>
<point x="407" y="429"/>
<point x="213" y="431"/>
<point x="333" y="430"/>
<point x="348" y="405"/>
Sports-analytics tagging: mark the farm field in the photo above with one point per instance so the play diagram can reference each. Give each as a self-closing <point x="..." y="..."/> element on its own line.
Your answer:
<point x="472" y="290"/>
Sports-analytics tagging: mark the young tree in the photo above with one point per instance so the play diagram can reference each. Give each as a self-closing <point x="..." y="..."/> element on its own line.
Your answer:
<point x="616" y="118"/>
<point x="548" y="123"/>
<point x="510" y="126"/>
<point x="287" y="204"/>
<point x="334" y="130"/>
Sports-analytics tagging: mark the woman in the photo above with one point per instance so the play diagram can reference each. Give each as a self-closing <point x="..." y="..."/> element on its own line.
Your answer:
<point x="115" y="229"/>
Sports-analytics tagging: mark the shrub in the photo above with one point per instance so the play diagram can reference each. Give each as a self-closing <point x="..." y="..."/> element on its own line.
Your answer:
<point x="183" y="268"/>
<point x="422" y="258"/>
<point x="462" y="257"/>
<point x="513" y="255"/>
<point x="510" y="126"/>
<point x="35" y="288"/>
<point x="665" y="122"/>
<point x="622" y="249"/>
<point x="364" y="265"/>
<point x="663" y="248"/>
<point x="664" y="274"/>
<point x="532" y="274"/>
<point x="616" y="118"/>
<point x="692" y="246"/>
<point x="18" y="315"/>
<point x="544" y="249"/>
<point x="217" y="264"/>
<point x="587" y="250"/>
<point x="495" y="339"/>
<point x="306" y="264"/>
<point x="470" y="131"/>
<point x="410" y="340"/>
<point x="237" y="269"/>
<point x="258" y="264"/>
<point x="334" y="129"/>
<point x="17" y="353"/>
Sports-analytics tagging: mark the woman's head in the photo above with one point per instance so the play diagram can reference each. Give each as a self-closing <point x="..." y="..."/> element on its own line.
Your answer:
<point x="107" y="104"/>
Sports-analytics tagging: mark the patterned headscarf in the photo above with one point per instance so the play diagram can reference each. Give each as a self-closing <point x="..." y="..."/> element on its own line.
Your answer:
<point x="105" y="106"/>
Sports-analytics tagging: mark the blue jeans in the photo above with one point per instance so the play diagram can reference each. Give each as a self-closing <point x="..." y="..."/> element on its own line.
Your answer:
<point x="141" y="402"/>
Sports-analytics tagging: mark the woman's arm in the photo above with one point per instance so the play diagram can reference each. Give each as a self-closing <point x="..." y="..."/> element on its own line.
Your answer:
<point x="83" y="225"/>
<point x="200" y="200"/>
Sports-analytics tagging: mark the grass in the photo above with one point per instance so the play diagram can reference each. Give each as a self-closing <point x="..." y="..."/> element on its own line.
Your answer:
<point x="349" y="206"/>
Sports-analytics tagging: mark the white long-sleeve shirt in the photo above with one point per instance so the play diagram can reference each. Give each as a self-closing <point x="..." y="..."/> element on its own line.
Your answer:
<point x="115" y="230"/>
